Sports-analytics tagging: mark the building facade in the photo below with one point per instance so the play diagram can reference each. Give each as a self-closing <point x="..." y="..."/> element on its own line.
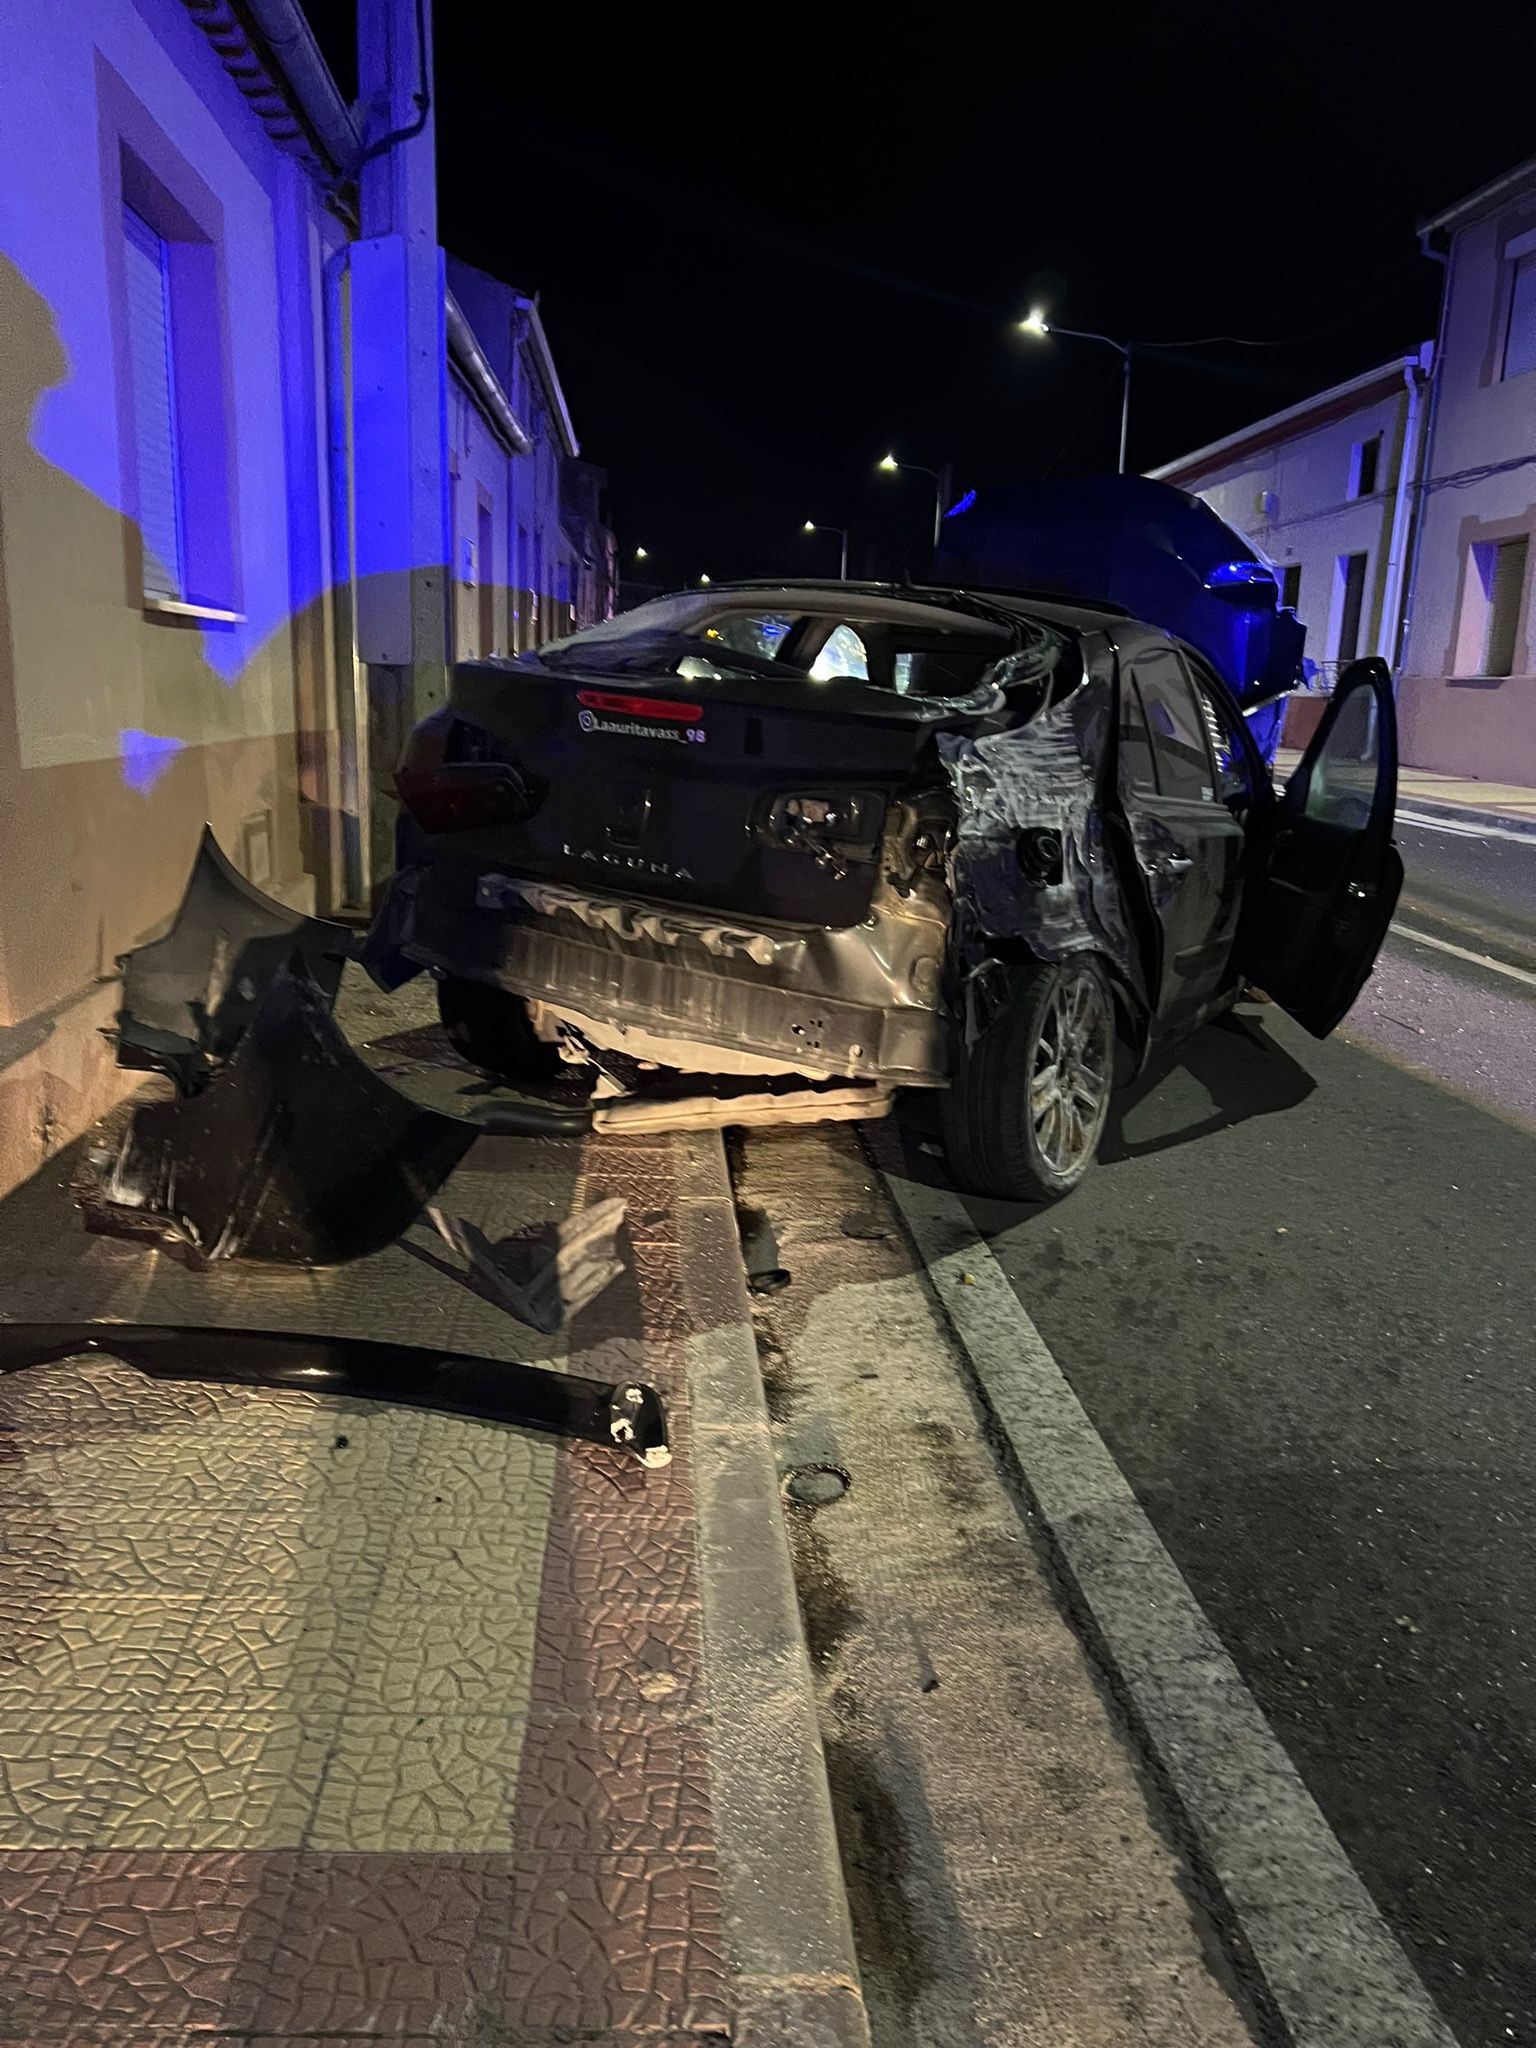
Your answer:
<point x="231" y="510"/>
<point x="1467" y="698"/>
<point x="1328" y="489"/>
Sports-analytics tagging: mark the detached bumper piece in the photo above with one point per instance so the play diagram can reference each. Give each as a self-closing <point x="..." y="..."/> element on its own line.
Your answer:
<point x="293" y="1151"/>
<point x="189" y="998"/>
<point x="627" y="1417"/>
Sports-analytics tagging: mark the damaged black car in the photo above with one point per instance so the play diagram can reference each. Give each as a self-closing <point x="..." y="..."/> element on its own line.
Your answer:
<point x="834" y="840"/>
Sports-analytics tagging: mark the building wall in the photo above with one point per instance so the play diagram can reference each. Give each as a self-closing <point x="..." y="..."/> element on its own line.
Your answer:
<point x="1293" y="499"/>
<point x="1452" y="718"/>
<point x="122" y="729"/>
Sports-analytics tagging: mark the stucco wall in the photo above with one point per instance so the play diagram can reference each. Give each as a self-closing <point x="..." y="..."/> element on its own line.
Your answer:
<point x="121" y="731"/>
<point x="1315" y="521"/>
<point x="1451" y="720"/>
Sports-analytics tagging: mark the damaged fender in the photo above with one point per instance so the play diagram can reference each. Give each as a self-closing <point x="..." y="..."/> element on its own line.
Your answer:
<point x="1035" y="862"/>
<point x="627" y="1417"/>
<point x="294" y="1152"/>
<point x="189" y="997"/>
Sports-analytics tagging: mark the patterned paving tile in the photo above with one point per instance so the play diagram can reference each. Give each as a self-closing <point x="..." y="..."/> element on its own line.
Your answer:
<point x="398" y="1783"/>
<point x="616" y="1942"/>
<point x="136" y="1941"/>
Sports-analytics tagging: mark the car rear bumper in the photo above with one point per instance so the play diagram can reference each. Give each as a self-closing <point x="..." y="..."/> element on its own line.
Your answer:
<point x="862" y="1003"/>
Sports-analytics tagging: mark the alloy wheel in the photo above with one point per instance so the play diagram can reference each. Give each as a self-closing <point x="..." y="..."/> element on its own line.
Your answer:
<point x="1070" y="1081"/>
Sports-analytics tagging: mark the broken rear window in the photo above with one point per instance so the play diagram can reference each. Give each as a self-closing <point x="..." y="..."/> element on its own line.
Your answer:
<point x="898" y="644"/>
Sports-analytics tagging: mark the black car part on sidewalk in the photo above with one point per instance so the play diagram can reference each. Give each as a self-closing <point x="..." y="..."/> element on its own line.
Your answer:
<point x="628" y="1416"/>
<point x="189" y="997"/>
<point x="294" y="1151"/>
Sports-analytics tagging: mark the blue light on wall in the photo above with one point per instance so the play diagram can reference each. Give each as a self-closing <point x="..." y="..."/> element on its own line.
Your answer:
<point x="146" y="756"/>
<point x="961" y="505"/>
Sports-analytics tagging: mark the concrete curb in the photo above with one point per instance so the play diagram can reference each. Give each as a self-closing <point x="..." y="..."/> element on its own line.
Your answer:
<point x="1333" y="1972"/>
<point x="788" y="1931"/>
<point x="1467" y="814"/>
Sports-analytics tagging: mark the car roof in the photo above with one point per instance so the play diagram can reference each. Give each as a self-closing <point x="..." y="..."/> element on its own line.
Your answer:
<point x="1050" y="606"/>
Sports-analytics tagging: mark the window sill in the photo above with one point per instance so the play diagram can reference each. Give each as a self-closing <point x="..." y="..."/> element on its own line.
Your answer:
<point x="178" y="608"/>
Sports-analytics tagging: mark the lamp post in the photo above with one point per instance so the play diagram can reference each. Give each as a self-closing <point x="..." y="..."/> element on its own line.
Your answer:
<point x="812" y="526"/>
<point x="889" y="465"/>
<point x="1037" y="325"/>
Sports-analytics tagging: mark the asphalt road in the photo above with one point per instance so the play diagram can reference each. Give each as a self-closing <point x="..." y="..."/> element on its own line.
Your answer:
<point x="1297" y="1299"/>
<point x="1476" y="884"/>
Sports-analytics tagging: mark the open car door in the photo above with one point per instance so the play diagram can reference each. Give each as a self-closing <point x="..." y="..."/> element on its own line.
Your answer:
<point x="1326" y="873"/>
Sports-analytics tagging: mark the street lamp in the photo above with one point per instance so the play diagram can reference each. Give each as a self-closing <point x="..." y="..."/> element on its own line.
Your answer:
<point x="704" y="579"/>
<point x="890" y="466"/>
<point x="642" y="554"/>
<point x="811" y="526"/>
<point x="1035" y="323"/>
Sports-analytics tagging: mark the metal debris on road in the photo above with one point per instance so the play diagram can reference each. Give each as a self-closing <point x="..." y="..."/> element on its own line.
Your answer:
<point x="627" y="1416"/>
<point x="546" y="1279"/>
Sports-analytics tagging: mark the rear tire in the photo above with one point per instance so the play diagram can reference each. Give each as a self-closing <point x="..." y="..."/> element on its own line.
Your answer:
<point x="489" y="1027"/>
<point x="1026" y="1108"/>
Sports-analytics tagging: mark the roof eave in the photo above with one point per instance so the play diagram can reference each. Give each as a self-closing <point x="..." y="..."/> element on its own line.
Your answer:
<point x="1483" y="200"/>
<point x="1291" y="420"/>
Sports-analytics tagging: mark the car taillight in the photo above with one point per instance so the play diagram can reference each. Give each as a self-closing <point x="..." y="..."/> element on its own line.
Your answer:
<point x="464" y="796"/>
<point x="450" y="782"/>
<point x="618" y="704"/>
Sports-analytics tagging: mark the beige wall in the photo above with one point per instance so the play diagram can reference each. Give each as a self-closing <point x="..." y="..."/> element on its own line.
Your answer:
<point x="1450" y="717"/>
<point x="95" y="836"/>
<point x="1315" y="521"/>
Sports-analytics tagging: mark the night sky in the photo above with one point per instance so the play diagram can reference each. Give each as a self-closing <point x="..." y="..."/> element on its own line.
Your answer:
<point x="767" y="250"/>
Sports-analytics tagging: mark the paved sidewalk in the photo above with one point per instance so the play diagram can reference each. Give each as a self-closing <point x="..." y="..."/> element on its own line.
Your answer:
<point x="1509" y="804"/>
<point x="329" y="1720"/>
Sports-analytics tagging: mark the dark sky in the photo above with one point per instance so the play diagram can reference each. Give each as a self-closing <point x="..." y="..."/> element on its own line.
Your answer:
<point x="768" y="246"/>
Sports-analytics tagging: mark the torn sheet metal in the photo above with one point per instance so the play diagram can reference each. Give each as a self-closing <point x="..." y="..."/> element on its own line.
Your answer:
<point x="294" y="1152"/>
<point x="546" y="1279"/>
<point x="1031" y="861"/>
<point x="628" y="1416"/>
<point x="189" y="997"/>
<point x="630" y="921"/>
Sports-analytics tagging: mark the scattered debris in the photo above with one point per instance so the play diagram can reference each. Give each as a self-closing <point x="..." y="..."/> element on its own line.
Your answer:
<point x="542" y="1279"/>
<point x="190" y="996"/>
<point x="760" y="1252"/>
<point x="294" y="1152"/>
<point x="628" y="1416"/>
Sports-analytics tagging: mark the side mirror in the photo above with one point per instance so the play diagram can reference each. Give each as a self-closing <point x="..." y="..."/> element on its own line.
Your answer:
<point x="1249" y="584"/>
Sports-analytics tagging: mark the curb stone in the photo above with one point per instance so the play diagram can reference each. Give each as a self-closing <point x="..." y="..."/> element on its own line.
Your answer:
<point x="788" y="1930"/>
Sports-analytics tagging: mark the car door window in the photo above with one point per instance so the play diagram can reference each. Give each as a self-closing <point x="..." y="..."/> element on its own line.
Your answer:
<point x="1179" y="743"/>
<point x="1136" y="770"/>
<point x="1233" y="773"/>
<point x="1342" y="787"/>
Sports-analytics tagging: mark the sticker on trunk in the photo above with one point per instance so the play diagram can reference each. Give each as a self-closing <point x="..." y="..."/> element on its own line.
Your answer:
<point x="641" y="718"/>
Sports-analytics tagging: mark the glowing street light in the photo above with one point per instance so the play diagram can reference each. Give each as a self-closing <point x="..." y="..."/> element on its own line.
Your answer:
<point x="703" y="579"/>
<point x="811" y="526"/>
<point x="890" y="466"/>
<point x="642" y="554"/>
<point x="1036" y="325"/>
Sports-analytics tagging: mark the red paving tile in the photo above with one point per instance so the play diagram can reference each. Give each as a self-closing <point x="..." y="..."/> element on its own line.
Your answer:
<point x="602" y="1913"/>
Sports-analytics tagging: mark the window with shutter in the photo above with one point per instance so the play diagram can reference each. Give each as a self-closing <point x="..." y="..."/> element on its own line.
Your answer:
<point x="1507" y="589"/>
<point x="1520" y="335"/>
<point x="152" y="372"/>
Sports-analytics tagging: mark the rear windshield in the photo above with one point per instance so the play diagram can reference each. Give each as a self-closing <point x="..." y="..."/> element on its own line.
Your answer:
<point x="913" y="650"/>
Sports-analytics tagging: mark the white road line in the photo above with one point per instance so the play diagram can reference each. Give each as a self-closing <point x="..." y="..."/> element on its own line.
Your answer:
<point x="1524" y="974"/>
<point x="1456" y="829"/>
<point x="1333" y="1967"/>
